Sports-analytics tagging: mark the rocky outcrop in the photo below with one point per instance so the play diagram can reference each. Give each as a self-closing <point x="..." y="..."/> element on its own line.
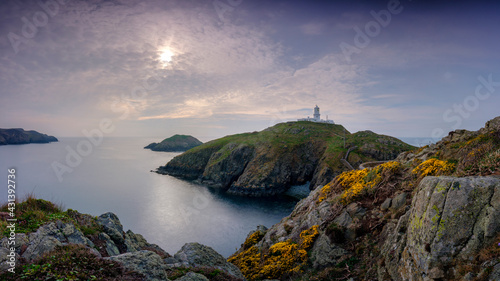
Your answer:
<point x="128" y="249"/>
<point x="450" y="221"/>
<point x="148" y="263"/>
<point x="448" y="228"/>
<point x="176" y="143"/>
<point x="20" y="136"/>
<point x="117" y="241"/>
<point x="269" y="162"/>
<point x="44" y="240"/>
<point x="197" y="255"/>
<point x="191" y="276"/>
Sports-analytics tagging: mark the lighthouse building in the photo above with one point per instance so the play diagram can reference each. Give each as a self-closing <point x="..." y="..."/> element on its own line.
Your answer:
<point x="316" y="117"/>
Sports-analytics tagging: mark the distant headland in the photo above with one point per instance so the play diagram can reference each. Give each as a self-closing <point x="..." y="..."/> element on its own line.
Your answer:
<point x="176" y="143"/>
<point x="20" y="136"/>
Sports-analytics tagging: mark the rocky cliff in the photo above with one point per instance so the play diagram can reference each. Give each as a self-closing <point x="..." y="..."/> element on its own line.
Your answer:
<point x="20" y="136"/>
<point x="176" y="143"/>
<point x="271" y="161"/>
<point x="57" y="245"/>
<point x="434" y="214"/>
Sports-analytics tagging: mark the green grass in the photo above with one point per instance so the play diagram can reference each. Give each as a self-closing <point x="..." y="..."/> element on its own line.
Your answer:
<point x="281" y="137"/>
<point x="32" y="213"/>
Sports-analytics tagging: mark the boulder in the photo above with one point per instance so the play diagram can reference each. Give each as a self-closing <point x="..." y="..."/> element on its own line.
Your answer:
<point x="111" y="248"/>
<point x="53" y="234"/>
<point x="386" y="205"/>
<point x="196" y="255"/>
<point x="324" y="253"/>
<point x="145" y="262"/>
<point x="112" y="227"/>
<point x="191" y="276"/>
<point x="398" y="201"/>
<point x="450" y="221"/>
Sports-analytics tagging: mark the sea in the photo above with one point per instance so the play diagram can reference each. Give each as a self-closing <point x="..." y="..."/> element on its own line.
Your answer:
<point x="115" y="175"/>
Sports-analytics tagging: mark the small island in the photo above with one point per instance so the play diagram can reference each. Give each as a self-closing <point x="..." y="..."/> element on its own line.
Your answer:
<point x="20" y="136"/>
<point x="176" y="143"/>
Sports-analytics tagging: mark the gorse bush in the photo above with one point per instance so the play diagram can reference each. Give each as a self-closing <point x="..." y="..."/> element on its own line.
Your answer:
<point x="434" y="167"/>
<point x="285" y="258"/>
<point x="354" y="184"/>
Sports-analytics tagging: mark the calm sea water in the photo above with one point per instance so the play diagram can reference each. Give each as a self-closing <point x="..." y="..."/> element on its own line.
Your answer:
<point x="115" y="177"/>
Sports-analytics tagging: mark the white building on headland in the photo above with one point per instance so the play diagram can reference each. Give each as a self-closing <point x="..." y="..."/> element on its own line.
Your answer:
<point x="317" y="117"/>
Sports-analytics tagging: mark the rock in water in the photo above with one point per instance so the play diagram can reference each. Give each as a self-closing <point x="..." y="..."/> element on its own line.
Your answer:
<point x="20" y="136"/>
<point x="176" y="143"/>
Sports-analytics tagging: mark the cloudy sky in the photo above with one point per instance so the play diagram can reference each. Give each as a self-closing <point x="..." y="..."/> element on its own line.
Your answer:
<point x="212" y="68"/>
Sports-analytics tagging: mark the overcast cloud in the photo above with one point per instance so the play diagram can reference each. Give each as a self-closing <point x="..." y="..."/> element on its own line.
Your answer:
<point x="156" y="68"/>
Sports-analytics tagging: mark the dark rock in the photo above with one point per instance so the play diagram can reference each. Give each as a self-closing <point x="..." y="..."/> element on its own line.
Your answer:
<point x="324" y="253"/>
<point x="386" y="205"/>
<point x="399" y="201"/>
<point x="112" y="227"/>
<point x="20" y="136"/>
<point x="495" y="273"/>
<point x="176" y="143"/>
<point x="111" y="248"/>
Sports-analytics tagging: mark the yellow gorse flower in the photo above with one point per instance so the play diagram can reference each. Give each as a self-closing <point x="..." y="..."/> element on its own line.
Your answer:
<point x="434" y="167"/>
<point x="284" y="257"/>
<point x="358" y="181"/>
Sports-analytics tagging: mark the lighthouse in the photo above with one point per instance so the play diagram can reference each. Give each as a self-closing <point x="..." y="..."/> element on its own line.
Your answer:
<point x="316" y="117"/>
<point x="316" y="114"/>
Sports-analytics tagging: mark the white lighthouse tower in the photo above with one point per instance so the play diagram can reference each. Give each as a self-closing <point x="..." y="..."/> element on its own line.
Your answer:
<point x="316" y="117"/>
<point x="316" y="114"/>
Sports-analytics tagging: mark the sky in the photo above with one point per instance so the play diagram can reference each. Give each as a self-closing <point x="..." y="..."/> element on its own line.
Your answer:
<point x="213" y="68"/>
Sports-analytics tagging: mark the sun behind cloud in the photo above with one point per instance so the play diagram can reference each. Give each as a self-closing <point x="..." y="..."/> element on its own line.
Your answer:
<point x="166" y="56"/>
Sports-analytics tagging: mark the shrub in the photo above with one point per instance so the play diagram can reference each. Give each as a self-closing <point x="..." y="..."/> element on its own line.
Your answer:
<point x="359" y="182"/>
<point x="283" y="258"/>
<point x="434" y="167"/>
<point x="71" y="262"/>
<point x="253" y="239"/>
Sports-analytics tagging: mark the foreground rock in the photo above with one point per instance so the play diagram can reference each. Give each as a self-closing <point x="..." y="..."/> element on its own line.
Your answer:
<point x="129" y="250"/>
<point x="146" y="262"/>
<point x="196" y="255"/>
<point x="20" y="136"/>
<point x="450" y="221"/>
<point x="448" y="231"/>
<point x="269" y="162"/>
<point x="176" y="143"/>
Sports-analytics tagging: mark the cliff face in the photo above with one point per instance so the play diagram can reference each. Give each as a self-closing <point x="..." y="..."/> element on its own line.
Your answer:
<point x="426" y="217"/>
<point x="451" y="220"/>
<point x="73" y="246"/>
<point x="269" y="162"/>
<point x="20" y="136"/>
<point x="175" y="143"/>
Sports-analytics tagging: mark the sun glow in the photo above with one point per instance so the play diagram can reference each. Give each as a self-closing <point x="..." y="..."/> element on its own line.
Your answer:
<point x="166" y="56"/>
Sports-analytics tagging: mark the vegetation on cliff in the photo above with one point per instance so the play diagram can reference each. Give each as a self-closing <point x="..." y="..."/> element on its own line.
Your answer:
<point x="269" y="162"/>
<point x="175" y="143"/>
<point x="20" y="136"/>
<point x="53" y="244"/>
<point x="414" y="218"/>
